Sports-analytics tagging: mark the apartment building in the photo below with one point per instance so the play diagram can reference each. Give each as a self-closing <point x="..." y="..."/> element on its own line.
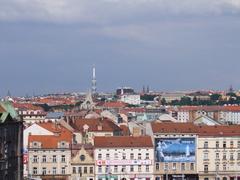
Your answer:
<point x="29" y="113"/>
<point x="224" y="114"/>
<point x="175" y="151"/>
<point x="190" y="113"/>
<point x="82" y="162"/>
<point x="123" y="158"/>
<point x="49" y="156"/>
<point x="218" y="152"/>
<point x="231" y="114"/>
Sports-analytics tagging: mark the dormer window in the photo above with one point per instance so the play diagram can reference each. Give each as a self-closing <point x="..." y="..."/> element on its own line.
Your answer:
<point x="63" y="144"/>
<point x="35" y="144"/>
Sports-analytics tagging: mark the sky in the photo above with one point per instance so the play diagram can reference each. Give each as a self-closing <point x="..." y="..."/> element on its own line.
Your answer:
<point x="49" y="46"/>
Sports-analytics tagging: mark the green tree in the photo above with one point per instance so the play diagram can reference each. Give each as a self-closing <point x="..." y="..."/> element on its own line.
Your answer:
<point x="185" y="101"/>
<point x="215" y="97"/>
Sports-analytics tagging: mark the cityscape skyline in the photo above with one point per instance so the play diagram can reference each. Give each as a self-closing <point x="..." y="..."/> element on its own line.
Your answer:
<point x="178" y="45"/>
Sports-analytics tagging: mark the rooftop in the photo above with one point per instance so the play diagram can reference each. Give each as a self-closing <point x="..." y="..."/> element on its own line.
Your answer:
<point x="123" y="141"/>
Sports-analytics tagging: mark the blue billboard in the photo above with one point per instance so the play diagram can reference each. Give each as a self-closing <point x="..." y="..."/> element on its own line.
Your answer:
<point x="175" y="149"/>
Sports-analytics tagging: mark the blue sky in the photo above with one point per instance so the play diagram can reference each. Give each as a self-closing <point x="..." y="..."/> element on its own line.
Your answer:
<point x="51" y="46"/>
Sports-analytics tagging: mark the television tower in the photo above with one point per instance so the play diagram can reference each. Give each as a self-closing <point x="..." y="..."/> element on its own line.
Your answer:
<point x="94" y="81"/>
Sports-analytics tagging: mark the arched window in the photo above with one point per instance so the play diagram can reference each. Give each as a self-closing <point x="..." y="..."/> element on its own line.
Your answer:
<point x="224" y="178"/>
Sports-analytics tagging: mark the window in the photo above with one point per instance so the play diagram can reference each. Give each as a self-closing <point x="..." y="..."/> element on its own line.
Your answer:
<point x="74" y="170"/>
<point x="85" y="170"/>
<point x="217" y="144"/>
<point x="238" y="144"/>
<point x="80" y="170"/>
<point x="116" y="156"/>
<point x="54" y="170"/>
<point x="139" y="156"/>
<point x="44" y="171"/>
<point x="231" y="156"/>
<point x="123" y="168"/>
<point x="35" y="170"/>
<point x="35" y="159"/>
<point x="91" y="170"/>
<point x="238" y="156"/>
<point x="157" y="166"/>
<point x="217" y="167"/>
<point x="100" y="169"/>
<point x="131" y="168"/>
<point x="224" y="144"/>
<point x="183" y="166"/>
<point x="115" y="169"/>
<point x="107" y="156"/>
<point x="123" y="155"/>
<point x="82" y="157"/>
<point x="107" y="169"/>
<point x="166" y="166"/>
<point x="132" y="156"/>
<point x="147" y="155"/>
<point x="63" y="170"/>
<point x="54" y="158"/>
<point x="205" y="145"/>
<point x="217" y="155"/>
<point x="224" y="156"/>
<point x="205" y="168"/>
<point x="224" y="167"/>
<point x="44" y="159"/>
<point x="63" y="158"/>
<point x="174" y="166"/>
<point x="205" y="156"/>
<point x="139" y="168"/>
<point x="99" y="156"/>
<point x="231" y="144"/>
<point x="192" y="167"/>
<point x="147" y="168"/>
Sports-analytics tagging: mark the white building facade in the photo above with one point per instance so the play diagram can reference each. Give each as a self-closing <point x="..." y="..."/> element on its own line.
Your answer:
<point x="124" y="158"/>
<point x="133" y="99"/>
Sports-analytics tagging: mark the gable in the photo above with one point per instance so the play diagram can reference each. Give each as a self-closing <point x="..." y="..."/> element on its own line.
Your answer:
<point x="34" y="129"/>
<point x="82" y="157"/>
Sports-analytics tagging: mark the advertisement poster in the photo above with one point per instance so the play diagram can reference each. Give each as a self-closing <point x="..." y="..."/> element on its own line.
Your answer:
<point x="175" y="149"/>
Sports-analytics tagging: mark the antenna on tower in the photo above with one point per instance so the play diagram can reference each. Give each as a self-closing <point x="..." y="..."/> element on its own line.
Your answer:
<point x="94" y="81"/>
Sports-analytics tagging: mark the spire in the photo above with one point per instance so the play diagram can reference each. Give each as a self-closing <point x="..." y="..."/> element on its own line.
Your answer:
<point x="94" y="81"/>
<point x="148" y="90"/>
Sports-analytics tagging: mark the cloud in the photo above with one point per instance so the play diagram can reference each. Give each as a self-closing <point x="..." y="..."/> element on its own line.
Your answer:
<point x="102" y="11"/>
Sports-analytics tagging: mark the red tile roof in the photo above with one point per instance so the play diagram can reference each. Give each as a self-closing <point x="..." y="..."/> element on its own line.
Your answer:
<point x="114" y="104"/>
<point x="190" y="128"/>
<point x="169" y="127"/>
<point x="233" y="130"/>
<point x="51" y="141"/>
<point x="48" y="141"/>
<point x="123" y="141"/>
<point x="26" y="106"/>
<point x="231" y="108"/>
<point x="125" y="130"/>
<point x="94" y="124"/>
<point x="53" y="127"/>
